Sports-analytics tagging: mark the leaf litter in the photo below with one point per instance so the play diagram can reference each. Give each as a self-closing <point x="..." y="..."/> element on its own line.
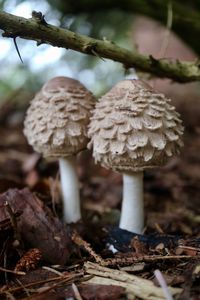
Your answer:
<point x="40" y="257"/>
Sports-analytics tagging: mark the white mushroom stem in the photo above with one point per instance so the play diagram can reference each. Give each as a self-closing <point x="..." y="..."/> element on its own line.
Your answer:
<point x="70" y="189"/>
<point x="132" y="212"/>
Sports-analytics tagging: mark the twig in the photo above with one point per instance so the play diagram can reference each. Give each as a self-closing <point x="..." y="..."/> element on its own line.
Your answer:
<point x="10" y="296"/>
<point x="186" y="18"/>
<point x="76" y="292"/>
<point x="12" y="271"/>
<point x="135" y="285"/>
<point x="188" y="248"/>
<point x="59" y="278"/>
<point x="53" y="271"/>
<point x="53" y="286"/>
<point x="158" y="228"/>
<point x="120" y="261"/>
<point x="165" y="42"/>
<point x="180" y="71"/>
<point x="80" y="242"/>
<point x="152" y="258"/>
<point x="23" y="288"/>
<point x="162" y="283"/>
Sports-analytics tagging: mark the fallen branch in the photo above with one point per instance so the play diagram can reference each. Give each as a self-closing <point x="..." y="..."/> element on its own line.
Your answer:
<point x="37" y="29"/>
<point x="186" y="15"/>
<point x="122" y="261"/>
<point x="126" y="260"/>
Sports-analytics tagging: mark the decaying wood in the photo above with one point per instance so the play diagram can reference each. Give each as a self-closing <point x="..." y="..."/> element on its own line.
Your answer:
<point x="134" y="285"/>
<point x="37" y="225"/>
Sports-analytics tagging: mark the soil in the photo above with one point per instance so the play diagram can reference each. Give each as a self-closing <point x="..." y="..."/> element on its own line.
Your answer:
<point x="40" y="257"/>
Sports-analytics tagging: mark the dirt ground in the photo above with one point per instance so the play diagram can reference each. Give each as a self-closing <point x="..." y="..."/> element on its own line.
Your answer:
<point x="42" y="258"/>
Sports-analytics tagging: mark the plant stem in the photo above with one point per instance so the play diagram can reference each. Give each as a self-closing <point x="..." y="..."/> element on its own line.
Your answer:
<point x="32" y="29"/>
<point x="132" y="213"/>
<point x="70" y="189"/>
<point x="186" y="15"/>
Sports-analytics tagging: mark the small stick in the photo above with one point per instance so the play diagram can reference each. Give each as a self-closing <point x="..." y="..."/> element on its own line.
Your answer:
<point x="24" y="289"/>
<point x="162" y="283"/>
<point x="12" y="271"/>
<point x="53" y="271"/>
<point x="165" y="42"/>
<point x="48" y="289"/>
<point x="10" y="296"/>
<point x="158" y="228"/>
<point x="76" y="292"/>
<point x="80" y="242"/>
<point x="59" y="280"/>
<point x="17" y="49"/>
<point x="124" y="260"/>
<point x="189" y="248"/>
<point x="130" y="260"/>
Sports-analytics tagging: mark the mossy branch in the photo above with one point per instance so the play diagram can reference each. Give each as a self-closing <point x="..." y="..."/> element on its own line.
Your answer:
<point x="37" y="29"/>
<point x="186" y="14"/>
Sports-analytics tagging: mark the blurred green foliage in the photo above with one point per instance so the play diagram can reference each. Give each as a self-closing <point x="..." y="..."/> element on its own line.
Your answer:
<point x="41" y="63"/>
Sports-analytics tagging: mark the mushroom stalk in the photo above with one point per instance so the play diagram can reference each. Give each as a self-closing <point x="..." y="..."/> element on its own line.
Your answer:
<point x="132" y="213"/>
<point x="70" y="189"/>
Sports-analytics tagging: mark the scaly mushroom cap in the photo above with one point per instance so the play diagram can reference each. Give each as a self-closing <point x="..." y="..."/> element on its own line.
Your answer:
<point x="133" y="128"/>
<point x="56" y="121"/>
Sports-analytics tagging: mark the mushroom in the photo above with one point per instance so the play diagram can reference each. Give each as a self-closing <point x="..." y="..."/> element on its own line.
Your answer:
<point x="134" y="128"/>
<point x="56" y="126"/>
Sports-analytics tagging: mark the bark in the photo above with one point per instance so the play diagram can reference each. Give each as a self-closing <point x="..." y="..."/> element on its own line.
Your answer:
<point x="37" y="29"/>
<point x="36" y="225"/>
<point x="186" y="14"/>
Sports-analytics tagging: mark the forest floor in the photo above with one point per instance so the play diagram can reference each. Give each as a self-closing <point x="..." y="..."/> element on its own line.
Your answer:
<point x="40" y="258"/>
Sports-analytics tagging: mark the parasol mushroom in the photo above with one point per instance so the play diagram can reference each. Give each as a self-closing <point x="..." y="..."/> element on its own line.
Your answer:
<point x="56" y="126"/>
<point x="134" y="128"/>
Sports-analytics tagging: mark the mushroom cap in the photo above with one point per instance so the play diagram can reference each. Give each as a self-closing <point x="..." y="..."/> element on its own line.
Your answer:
<point x="134" y="127"/>
<point x="57" y="118"/>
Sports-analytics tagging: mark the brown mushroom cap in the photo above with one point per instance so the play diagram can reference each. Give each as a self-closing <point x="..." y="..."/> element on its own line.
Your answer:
<point x="56" y="121"/>
<point x="134" y="128"/>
